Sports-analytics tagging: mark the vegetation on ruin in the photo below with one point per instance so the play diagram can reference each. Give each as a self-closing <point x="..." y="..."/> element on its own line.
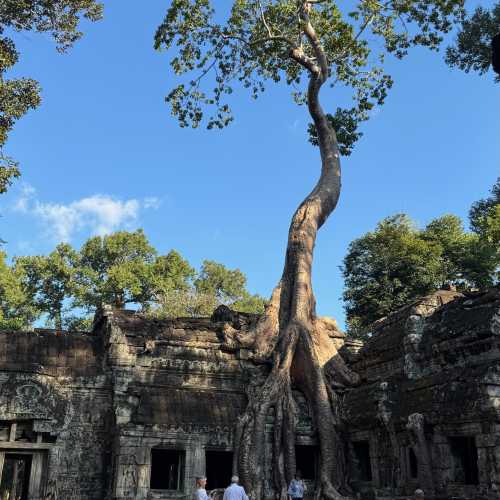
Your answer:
<point x="397" y="262"/>
<point x="64" y="288"/>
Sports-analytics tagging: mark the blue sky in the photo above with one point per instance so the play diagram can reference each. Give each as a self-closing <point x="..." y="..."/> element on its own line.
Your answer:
<point x="103" y="153"/>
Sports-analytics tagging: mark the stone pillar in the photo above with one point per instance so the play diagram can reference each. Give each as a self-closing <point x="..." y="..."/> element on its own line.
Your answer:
<point x="415" y="427"/>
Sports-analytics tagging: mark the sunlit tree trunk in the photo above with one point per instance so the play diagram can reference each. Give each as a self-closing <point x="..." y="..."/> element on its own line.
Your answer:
<point x="292" y="331"/>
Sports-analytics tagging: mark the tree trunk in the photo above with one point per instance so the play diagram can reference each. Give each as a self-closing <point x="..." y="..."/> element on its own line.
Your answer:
<point x="292" y="333"/>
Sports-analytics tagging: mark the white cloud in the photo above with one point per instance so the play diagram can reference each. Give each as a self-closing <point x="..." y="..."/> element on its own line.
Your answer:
<point x="27" y="194"/>
<point x="152" y="202"/>
<point x="98" y="214"/>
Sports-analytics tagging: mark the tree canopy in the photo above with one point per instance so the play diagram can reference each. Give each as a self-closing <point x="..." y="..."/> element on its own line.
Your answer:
<point x="397" y="262"/>
<point x="262" y="41"/>
<point x="59" y="18"/>
<point x="474" y="48"/>
<point x="65" y="287"/>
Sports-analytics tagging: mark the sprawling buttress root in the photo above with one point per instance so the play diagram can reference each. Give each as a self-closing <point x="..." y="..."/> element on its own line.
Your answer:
<point x="302" y="353"/>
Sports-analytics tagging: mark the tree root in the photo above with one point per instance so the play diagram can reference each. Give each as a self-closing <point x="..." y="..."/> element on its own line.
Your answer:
<point x="303" y="356"/>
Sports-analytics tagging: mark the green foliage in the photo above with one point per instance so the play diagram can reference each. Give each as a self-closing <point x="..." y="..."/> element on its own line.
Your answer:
<point x="472" y="48"/>
<point x="387" y="268"/>
<point x="9" y="171"/>
<point x="482" y="211"/>
<point x="116" y="270"/>
<point x="200" y="294"/>
<point x="50" y="280"/>
<point x="66" y="287"/>
<point x="484" y="220"/>
<point x="60" y="18"/>
<point x="16" y="310"/>
<point x="254" y="42"/>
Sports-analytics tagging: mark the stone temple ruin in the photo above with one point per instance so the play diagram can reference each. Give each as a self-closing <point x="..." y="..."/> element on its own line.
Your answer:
<point x="138" y="408"/>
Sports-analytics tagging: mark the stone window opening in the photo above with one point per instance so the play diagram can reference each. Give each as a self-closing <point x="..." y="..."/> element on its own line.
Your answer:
<point x="363" y="461"/>
<point x="167" y="469"/>
<point x="219" y="468"/>
<point x="412" y="464"/>
<point x="23" y="458"/>
<point x="15" y="474"/>
<point x="306" y="459"/>
<point x="464" y="453"/>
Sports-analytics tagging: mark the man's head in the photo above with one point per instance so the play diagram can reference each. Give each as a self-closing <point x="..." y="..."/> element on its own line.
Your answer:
<point x="201" y="481"/>
<point x="298" y="474"/>
<point x="419" y="495"/>
<point x="235" y="480"/>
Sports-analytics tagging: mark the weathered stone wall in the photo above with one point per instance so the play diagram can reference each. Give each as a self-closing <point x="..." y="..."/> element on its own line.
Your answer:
<point x="95" y="411"/>
<point x="55" y="392"/>
<point x="431" y="386"/>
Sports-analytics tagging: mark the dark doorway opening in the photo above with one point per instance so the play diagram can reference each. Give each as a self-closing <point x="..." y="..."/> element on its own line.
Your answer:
<point x="167" y="469"/>
<point x="362" y="455"/>
<point x="219" y="466"/>
<point x="306" y="458"/>
<point x="464" y="452"/>
<point x="15" y="477"/>
<point x="413" y="463"/>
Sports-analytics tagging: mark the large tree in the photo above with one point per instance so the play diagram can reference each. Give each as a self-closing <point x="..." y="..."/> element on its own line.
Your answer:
<point x="198" y="294"/>
<point x="387" y="268"/>
<point x="59" y="18"/>
<point x="260" y="41"/>
<point x="484" y="219"/>
<point x="17" y="310"/>
<point x="49" y="281"/>
<point x="116" y="269"/>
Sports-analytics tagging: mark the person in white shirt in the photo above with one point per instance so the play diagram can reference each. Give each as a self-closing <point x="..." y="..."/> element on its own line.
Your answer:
<point x="235" y="491"/>
<point x="201" y="492"/>
<point x="297" y="487"/>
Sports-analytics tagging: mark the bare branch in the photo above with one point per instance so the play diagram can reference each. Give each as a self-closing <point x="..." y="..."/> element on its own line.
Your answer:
<point x="263" y="17"/>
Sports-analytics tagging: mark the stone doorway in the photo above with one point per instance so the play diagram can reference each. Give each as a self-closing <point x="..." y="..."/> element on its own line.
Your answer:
<point x="219" y="468"/>
<point x="15" y="474"/>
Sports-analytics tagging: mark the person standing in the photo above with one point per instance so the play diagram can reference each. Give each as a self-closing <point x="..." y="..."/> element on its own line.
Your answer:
<point x="201" y="492"/>
<point x="419" y="494"/>
<point x="297" y="487"/>
<point x="235" y="491"/>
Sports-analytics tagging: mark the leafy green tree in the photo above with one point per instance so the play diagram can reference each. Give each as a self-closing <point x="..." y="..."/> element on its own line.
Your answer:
<point x="456" y="246"/>
<point x="194" y="295"/>
<point x="472" y="50"/>
<point x="49" y="281"/>
<point x="17" y="312"/>
<point x="59" y="18"/>
<point x="396" y="263"/>
<point x="484" y="219"/>
<point x="220" y="285"/>
<point x="116" y="269"/>
<point x="172" y="273"/>
<point x="385" y="269"/>
<point x="482" y="212"/>
<point x="247" y="45"/>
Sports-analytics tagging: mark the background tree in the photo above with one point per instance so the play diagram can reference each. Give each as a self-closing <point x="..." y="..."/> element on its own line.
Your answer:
<point x="192" y="294"/>
<point x="17" y="311"/>
<point x="484" y="220"/>
<point x="473" y="48"/>
<point x="391" y="266"/>
<point x="117" y="270"/>
<point x="49" y="281"/>
<point x="60" y="18"/>
<point x="262" y="41"/>
<point x="397" y="263"/>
